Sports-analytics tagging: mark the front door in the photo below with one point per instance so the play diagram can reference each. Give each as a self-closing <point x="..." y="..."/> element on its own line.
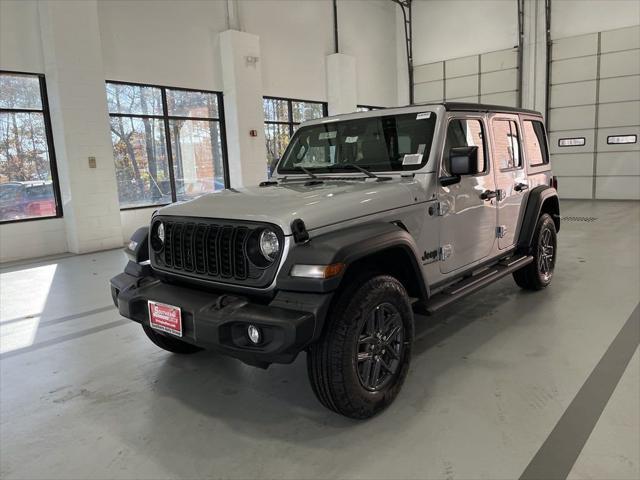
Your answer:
<point x="468" y="223"/>
<point x="511" y="176"/>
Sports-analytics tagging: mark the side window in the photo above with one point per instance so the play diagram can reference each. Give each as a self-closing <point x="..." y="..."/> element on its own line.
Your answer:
<point x="465" y="133"/>
<point x="507" y="144"/>
<point x="535" y="143"/>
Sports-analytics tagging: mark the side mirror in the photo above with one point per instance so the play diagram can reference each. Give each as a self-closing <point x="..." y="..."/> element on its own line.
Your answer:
<point x="463" y="161"/>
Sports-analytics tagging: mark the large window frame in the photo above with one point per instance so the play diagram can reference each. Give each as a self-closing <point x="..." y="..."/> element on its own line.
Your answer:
<point x="290" y="101"/>
<point x="53" y="166"/>
<point x="290" y="124"/>
<point x="166" y="118"/>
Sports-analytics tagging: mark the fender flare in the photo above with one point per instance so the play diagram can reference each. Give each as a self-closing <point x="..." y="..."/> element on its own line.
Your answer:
<point x="348" y="246"/>
<point x="536" y="200"/>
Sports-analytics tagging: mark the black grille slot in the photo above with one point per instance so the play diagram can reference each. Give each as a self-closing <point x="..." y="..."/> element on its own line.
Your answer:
<point x="176" y="245"/>
<point x="212" y="250"/>
<point x="225" y="243"/>
<point x="239" y="257"/>
<point x="188" y="247"/>
<point x="168" y="241"/>
<point x="200" y="248"/>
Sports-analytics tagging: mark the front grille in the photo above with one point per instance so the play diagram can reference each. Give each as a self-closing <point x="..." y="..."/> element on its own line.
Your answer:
<point x="210" y="249"/>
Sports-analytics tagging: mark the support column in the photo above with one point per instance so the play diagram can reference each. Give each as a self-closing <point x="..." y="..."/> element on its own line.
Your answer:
<point x="342" y="84"/>
<point x="242" y="81"/>
<point x="534" y="56"/>
<point x="77" y="101"/>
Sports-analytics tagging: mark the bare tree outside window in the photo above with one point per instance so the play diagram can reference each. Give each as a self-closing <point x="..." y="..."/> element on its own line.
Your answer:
<point x="281" y="119"/>
<point x="28" y="181"/>
<point x="151" y="170"/>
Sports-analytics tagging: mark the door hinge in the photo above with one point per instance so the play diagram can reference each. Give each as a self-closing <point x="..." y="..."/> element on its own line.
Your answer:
<point x="445" y="252"/>
<point x="501" y="231"/>
<point x="501" y="194"/>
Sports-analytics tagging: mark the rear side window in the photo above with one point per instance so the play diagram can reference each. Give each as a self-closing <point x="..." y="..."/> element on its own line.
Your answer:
<point x="507" y="144"/>
<point x="465" y="133"/>
<point x="535" y="143"/>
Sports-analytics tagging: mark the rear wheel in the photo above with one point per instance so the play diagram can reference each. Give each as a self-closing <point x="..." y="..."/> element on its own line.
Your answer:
<point x="169" y="344"/>
<point x="359" y="365"/>
<point x="538" y="274"/>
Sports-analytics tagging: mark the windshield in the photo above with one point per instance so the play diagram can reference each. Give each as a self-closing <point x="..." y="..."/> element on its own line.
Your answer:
<point x="378" y="144"/>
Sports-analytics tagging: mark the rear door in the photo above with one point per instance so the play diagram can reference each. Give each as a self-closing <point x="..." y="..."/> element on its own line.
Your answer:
<point x="511" y="176"/>
<point x="467" y="233"/>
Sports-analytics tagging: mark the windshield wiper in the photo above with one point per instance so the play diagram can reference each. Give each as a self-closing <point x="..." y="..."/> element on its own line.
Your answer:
<point x="364" y="170"/>
<point x="306" y="170"/>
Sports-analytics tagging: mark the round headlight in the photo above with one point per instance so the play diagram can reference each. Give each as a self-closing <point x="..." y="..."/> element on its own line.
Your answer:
<point x="161" y="232"/>
<point x="269" y="244"/>
<point x="157" y="236"/>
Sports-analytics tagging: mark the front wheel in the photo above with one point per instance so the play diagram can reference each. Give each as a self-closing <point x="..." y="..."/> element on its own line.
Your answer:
<point x="359" y="365"/>
<point x="169" y="344"/>
<point x="538" y="274"/>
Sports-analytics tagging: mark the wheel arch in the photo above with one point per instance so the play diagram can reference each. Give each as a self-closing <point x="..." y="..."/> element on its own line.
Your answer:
<point x="541" y="200"/>
<point x="381" y="247"/>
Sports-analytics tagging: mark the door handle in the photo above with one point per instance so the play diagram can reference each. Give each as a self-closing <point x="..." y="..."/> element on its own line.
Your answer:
<point x="521" y="187"/>
<point x="488" y="195"/>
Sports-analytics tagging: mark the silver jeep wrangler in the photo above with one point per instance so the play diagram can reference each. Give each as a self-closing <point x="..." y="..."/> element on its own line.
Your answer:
<point x="369" y="217"/>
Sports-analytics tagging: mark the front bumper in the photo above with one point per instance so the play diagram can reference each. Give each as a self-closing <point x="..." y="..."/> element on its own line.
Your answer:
<point x="289" y="322"/>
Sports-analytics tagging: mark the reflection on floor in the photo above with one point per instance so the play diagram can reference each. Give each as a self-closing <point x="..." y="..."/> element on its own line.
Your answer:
<point x="85" y="395"/>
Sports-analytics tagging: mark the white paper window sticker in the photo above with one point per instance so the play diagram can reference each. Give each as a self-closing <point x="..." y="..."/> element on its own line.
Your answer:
<point x="423" y="115"/>
<point x="421" y="148"/>
<point x="412" y="159"/>
<point x="351" y="139"/>
<point x="327" y="135"/>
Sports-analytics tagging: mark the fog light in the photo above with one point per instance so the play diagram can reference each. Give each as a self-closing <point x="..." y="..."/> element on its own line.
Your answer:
<point x="254" y="334"/>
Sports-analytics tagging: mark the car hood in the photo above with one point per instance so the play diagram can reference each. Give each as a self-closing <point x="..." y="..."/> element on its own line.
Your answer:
<point x="317" y="204"/>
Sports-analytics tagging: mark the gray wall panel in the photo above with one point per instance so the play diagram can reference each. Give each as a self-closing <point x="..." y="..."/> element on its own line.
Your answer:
<point x="603" y="133"/>
<point x="620" y="89"/>
<point x="588" y="135"/>
<point x="620" y="63"/>
<point x="462" y="86"/>
<point x="574" y="69"/>
<point x="509" y="99"/>
<point x="573" y="165"/>
<point x="618" y="188"/>
<point x="500" y="60"/>
<point x="459" y="67"/>
<point x="428" y="72"/>
<point x="500" y="81"/>
<point x="618" y="163"/>
<point x="575" y="46"/>
<point x="429" y="92"/>
<point x="572" y="118"/>
<point x="620" y="39"/>
<point x="573" y="94"/>
<point x="619" y="114"/>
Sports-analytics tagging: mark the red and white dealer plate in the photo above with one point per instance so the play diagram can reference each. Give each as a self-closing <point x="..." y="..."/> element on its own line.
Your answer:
<point x="166" y="318"/>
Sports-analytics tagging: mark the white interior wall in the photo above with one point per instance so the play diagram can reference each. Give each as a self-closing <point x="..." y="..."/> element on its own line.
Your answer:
<point x="373" y="44"/>
<point x="445" y="29"/>
<point x="577" y="17"/>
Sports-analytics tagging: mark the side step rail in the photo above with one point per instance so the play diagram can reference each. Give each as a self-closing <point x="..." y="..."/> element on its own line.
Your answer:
<point x="476" y="282"/>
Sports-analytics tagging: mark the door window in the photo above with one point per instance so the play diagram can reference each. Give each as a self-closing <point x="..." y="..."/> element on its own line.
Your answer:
<point x="507" y="144"/>
<point x="463" y="132"/>
<point x="535" y="143"/>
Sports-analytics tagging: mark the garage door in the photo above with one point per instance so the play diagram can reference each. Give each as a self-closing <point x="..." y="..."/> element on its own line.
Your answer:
<point x="594" y="116"/>
<point x="487" y="78"/>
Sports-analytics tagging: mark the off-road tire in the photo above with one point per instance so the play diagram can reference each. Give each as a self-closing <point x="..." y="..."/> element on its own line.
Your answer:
<point x="169" y="344"/>
<point x="533" y="276"/>
<point x="332" y="362"/>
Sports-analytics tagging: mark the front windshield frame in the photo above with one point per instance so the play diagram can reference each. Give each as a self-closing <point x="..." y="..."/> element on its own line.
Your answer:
<point x="392" y="165"/>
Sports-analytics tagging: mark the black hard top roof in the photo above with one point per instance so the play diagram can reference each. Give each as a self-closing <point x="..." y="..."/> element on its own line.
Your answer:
<point x="480" y="107"/>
